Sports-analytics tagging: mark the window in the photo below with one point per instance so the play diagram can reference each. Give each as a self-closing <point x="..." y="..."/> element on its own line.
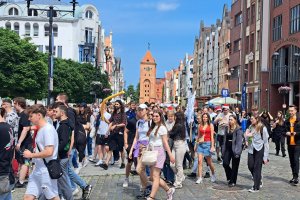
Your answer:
<point x="258" y="9"/>
<point x="257" y="71"/>
<point x="32" y="12"/>
<point x="238" y="19"/>
<point x="27" y="29"/>
<point x="295" y="19"/>
<point x="46" y="29"/>
<point x="89" y="14"/>
<point x="247" y="45"/>
<point x="59" y="51"/>
<point x="35" y="29"/>
<point x="13" y="11"/>
<point x="248" y="17"/>
<point x="55" y="30"/>
<point x="8" y="25"/>
<point x="277" y="24"/>
<point x="236" y="45"/>
<point x="277" y="3"/>
<point x="47" y="50"/>
<point x="17" y="27"/>
<point x="257" y="40"/>
<point x="88" y="35"/>
<point x="252" y="42"/>
<point x="40" y="48"/>
<point x="253" y="13"/>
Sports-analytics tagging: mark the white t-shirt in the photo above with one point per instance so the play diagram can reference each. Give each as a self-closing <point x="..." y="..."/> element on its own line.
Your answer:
<point x="46" y="136"/>
<point x="103" y="127"/>
<point x="156" y="141"/>
<point x="142" y="127"/>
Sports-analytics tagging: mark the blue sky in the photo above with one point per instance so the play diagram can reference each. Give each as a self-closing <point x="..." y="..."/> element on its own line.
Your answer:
<point x="170" y="26"/>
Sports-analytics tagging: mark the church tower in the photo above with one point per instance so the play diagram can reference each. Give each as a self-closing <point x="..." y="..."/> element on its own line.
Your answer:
<point x="148" y="79"/>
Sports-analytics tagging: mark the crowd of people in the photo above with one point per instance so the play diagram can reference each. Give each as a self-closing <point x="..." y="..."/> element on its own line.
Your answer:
<point x="157" y="142"/>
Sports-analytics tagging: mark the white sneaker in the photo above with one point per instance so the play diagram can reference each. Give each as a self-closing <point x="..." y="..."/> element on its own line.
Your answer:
<point x="213" y="178"/>
<point x="177" y="185"/>
<point x="170" y="193"/>
<point x="199" y="180"/>
<point x="75" y="192"/>
<point x="99" y="163"/>
<point x="125" y="184"/>
<point x="85" y="162"/>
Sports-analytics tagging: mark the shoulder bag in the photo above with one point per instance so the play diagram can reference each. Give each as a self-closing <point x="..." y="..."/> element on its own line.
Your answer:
<point x="53" y="166"/>
<point x="149" y="157"/>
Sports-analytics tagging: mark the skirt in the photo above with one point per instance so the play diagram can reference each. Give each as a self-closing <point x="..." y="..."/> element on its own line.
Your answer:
<point x="204" y="148"/>
<point x="161" y="157"/>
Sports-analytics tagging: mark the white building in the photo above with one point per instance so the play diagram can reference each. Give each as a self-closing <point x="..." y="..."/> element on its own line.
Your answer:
<point x="75" y="38"/>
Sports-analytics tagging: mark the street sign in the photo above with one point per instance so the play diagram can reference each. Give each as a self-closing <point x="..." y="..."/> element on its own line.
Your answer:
<point x="225" y="92"/>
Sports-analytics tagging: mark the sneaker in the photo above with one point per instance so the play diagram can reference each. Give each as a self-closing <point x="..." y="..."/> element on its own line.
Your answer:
<point x="261" y="184"/>
<point x="99" y="163"/>
<point x="133" y="172"/>
<point x="93" y="160"/>
<point x="75" y="192"/>
<point x="125" y="184"/>
<point x="20" y="185"/>
<point x="292" y="180"/>
<point x="231" y="185"/>
<point x="252" y="190"/>
<point x="213" y="178"/>
<point x="199" y="180"/>
<point x="296" y="181"/>
<point x="207" y="175"/>
<point x="86" y="192"/>
<point x="104" y="166"/>
<point x="122" y="166"/>
<point x="85" y="162"/>
<point x="219" y="159"/>
<point x="177" y="185"/>
<point x="284" y="155"/>
<point x="192" y="175"/>
<point x="170" y="193"/>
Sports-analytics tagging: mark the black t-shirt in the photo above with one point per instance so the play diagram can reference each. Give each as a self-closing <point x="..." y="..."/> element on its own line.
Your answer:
<point x="131" y="126"/>
<point x="6" y="148"/>
<point x="24" y="122"/>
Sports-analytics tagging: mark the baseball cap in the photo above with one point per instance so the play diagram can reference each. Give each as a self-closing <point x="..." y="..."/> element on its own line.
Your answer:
<point x="143" y="106"/>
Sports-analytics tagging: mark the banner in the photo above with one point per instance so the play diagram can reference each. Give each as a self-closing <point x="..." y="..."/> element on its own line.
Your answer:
<point x="244" y="97"/>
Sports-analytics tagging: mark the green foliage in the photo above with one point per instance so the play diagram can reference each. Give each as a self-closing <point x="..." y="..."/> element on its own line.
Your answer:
<point x="24" y="72"/>
<point x="134" y="94"/>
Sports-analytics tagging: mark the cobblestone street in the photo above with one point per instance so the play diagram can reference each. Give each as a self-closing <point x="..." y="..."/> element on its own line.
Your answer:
<point x="107" y="185"/>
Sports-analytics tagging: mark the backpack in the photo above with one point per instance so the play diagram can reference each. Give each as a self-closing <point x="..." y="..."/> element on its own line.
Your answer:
<point x="79" y="134"/>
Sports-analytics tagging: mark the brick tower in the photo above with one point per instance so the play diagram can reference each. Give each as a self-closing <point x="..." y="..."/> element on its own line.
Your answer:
<point x="148" y="79"/>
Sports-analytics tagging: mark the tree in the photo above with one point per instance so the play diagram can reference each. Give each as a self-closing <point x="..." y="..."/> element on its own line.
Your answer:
<point x="137" y="92"/>
<point x="130" y="92"/>
<point x="23" y="71"/>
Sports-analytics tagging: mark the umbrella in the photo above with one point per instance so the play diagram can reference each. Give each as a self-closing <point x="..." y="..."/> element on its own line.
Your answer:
<point x="223" y="100"/>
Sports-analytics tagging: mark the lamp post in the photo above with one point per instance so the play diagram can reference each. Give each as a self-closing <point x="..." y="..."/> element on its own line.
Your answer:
<point x="51" y="42"/>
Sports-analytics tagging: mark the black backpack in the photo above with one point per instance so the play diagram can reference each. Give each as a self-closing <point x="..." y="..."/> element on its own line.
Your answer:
<point x="79" y="134"/>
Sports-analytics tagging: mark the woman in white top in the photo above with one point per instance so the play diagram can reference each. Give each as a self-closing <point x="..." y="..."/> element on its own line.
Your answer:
<point x="158" y="139"/>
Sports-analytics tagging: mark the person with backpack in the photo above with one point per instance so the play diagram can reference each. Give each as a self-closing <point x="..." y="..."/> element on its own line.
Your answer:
<point x="232" y="149"/>
<point x="256" y="137"/>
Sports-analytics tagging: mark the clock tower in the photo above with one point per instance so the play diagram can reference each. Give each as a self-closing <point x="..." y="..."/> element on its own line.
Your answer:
<point x="148" y="79"/>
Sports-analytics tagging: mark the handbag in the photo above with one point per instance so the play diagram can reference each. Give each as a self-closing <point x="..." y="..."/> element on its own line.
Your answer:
<point x="4" y="184"/>
<point x="149" y="157"/>
<point x="53" y="166"/>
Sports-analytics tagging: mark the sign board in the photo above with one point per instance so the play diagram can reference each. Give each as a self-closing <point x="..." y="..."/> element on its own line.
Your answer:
<point x="225" y="92"/>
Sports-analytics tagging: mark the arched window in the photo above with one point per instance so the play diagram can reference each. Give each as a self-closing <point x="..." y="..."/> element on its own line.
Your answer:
<point x="35" y="29"/>
<point x="27" y="29"/>
<point x="13" y="11"/>
<point x="55" y="30"/>
<point x="89" y="14"/>
<point x="32" y="12"/>
<point x="46" y="29"/>
<point x="17" y="27"/>
<point x="8" y="25"/>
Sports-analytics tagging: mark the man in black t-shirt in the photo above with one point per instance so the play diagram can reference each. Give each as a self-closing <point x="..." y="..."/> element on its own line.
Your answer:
<point x="6" y="152"/>
<point x="24" y="139"/>
<point x="129" y="135"/>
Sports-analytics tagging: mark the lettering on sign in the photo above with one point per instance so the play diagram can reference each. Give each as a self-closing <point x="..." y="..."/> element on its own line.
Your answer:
<point x="285" y="41"/>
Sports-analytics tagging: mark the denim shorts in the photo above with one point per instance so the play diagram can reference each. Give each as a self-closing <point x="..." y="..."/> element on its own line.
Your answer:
<point x="204" y="148"/>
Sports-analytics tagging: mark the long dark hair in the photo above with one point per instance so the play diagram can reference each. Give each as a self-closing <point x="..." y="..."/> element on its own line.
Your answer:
<point x="121" y="107"/>
<point x="208" y="119"/>
<point x="180" y="122"/>
<point x="162" y="122"/>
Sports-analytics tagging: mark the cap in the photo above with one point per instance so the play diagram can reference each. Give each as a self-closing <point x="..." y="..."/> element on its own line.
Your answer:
<point x="225" y="106"/>
<point x="143" y="106"/>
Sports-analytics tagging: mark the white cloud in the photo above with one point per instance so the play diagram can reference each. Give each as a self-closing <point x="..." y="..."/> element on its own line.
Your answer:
<point x="161" y="6"/>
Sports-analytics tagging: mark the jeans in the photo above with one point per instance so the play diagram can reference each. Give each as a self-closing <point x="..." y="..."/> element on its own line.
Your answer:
<point x="7" y="196"/>
<point x="75" y="179"/>
<point x="168" y="173"/>
<point x="255" y="162"/>
<point x="89" y="145"/>
<point x="294" y="153"/>
<point x="64" y="183"/>
<point x="73" y="157"/>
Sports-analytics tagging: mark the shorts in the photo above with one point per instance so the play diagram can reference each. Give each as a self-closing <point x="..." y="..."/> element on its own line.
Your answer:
<point x="220" y="140"/>
<point x="19" y="154"/>
<point x="116" y="142"/>
<point x="41" y="183"/>
<point x="161" y="157"/>
<point x="128" y="151"/>
<point x="204" y="149"/>
<point x="101" y="140"/>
